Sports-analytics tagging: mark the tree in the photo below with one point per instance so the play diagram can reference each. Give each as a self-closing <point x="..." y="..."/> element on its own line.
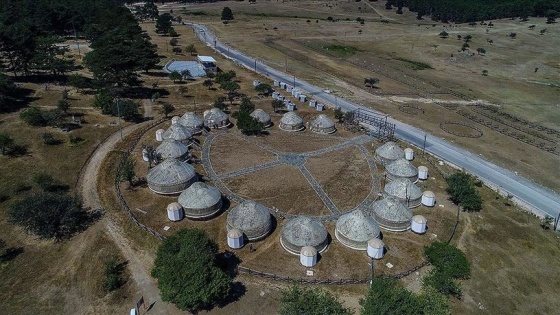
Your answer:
<point x="112" y="271"/>
<point x="227" y="14"/>
<point x="512" y="35"/>
<point x="126" y="171"/>
<point x="63" y="105"/>
<point x="173" y="42"/>
<point x="128" y="109"/>
<point x="387" y="296"/>
<point x="9" y="93"/>
<point x="208" y="83"/>
<point x="183" y="89"/>
<point x="185" y="74"/>
<point x="276" y="104"/>
<point x="49" y="56"/>
<point x="481" y="51"/>
<point x="247" y="124"/>
<point x="177" y="50"/>
<point x="264" y="89"/>
<point x="246" y="105"/>
<point x="449" y="263"/>
<point x="50" y="215"/>
<point x="551" y="16"/>
<point x="163" y="23"/>
<point x="6" y="142"/>
<point x="219" y="103"/>
<point x="172" y="32"/>
<point x="467" y="38"/>
<point x="371" y="81"/>
<point x="148" y="11"/>
<point x="167" y="109"/>
<point x="191" y="49"/>
<point x="462" y="191"/>
<point x="79" y="82"/>
<point x="33" y="116"/>
<point x="47" y="183"/>
<point x="443" y="34"/>
<point x="175" y="76"/>
<point x="339" y="115"/>
<point x="546" y="222"/>
<point x="222" y="77"/>
<point x="231" y="87"/>
<point x="434" y="303"/>
<point x="311" y="301"/>
<point x="104" y="101"/>
<point x="187" y="273"/>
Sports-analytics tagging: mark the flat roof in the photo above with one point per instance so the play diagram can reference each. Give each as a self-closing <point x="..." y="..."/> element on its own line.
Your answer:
<point x="206" y="59"/>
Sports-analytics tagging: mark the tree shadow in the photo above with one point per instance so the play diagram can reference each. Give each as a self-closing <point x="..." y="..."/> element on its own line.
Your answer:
<point x="142" y="92"/>
<point x="11" y="253"/>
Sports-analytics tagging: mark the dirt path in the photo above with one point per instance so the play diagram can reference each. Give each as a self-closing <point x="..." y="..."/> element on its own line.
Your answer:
<point x="137" y="262"/>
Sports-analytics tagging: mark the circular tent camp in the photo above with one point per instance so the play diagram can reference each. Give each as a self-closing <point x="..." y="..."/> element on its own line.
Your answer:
<point x="404" y="190"/>
<point x="262" y="117"/>
<point x="323" y="124"/>
<point x="200" y="201"/>
<point x="303" y="231"/>
<point x="354" y="229"/>
<point x="291" y="122"/>
<point x="171" y="149"/>
<point x="177" y="132"/>
<point x="388" y="153"/>
<point x="191" y="121"/>
<point x="252" y="218"/>
<point x="391" y="214"/>
<point x="171" y="177"/>
<point x="216" y="119"/>
<point x="402" y="168"/>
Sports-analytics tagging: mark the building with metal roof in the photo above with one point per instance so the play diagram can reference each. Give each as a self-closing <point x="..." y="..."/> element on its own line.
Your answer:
<point x="388" y="153"/>
<point x="354" y="229"/>
<point x="323" y="124"/>
<point x="391" y="214"/>
<point x="401" y="168"/>
<point x="262" y="117"/>
<point x="171" y="177"/>
<point x="171" y="149"/>
<point x="405" y="190"/>
<point x="291" y="122"/>
<point x="201" y="201"/>
<point x="192" y="122"/>
<point x="303" y="231"/>
<point x="252" y="218"/>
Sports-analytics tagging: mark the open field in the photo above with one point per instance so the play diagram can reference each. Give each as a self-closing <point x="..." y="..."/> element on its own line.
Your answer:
<point x="229" y="153"/>
<point x="390" y="47"/>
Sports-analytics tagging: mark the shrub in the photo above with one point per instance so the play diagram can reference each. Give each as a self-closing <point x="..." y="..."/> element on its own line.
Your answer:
<point x="449" y="259"/>
<point x="112" y="274"/>
<point x="312" y="301"/>
<point x="33" y="116"/>
<point x="463" y="192"/>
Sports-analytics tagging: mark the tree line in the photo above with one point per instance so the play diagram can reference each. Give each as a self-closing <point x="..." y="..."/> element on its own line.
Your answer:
<point x="461" y="11"/>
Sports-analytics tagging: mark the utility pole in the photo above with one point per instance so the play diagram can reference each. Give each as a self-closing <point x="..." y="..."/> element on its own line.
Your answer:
<point x="294" y="81"/>
<point x="424" y="146"/>
<point x="286" y="63"/>
<point x="255" y="64"/>
<point x="371" y="273"/>
<point x="119" y="114"/>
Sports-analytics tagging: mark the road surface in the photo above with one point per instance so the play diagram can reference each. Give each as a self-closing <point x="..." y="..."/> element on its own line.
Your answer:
<point x="538" y="199"/>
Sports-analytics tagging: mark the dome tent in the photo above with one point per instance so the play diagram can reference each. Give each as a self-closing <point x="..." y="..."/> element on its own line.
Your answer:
<point x="323" y="124"/>
<point x="171" y="177"/>
<point x="303" y="231"/>
<point x="391" y="214"/>
<point x="177" y="132"/>
<point x="171" y="149"/>
<point x="405" y="190"/>
<point x="291" y="122"/>
<point x="252" y="218"/>
<point x="201" y="201"/>
<point x="262" y="117"/>
<point x="216" y="119"/>
<point x="191" y="121"/>
<point x="354" y="229"/>
<point x="388" y="153"/>
<point x="402" y="168"/>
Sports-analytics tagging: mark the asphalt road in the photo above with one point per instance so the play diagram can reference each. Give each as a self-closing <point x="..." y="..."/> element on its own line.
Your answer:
<point x="541" y="200"/>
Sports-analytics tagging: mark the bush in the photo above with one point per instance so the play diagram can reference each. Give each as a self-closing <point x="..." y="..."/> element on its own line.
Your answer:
<point x="448" y="258"/>
<point x="443" y="283"/>
<point x="462" y="191"/>
<point x="387" y="296"/>
<point x="33" y="116"/>
<point x="113" y="271"/>
<point x="300" y="300"/>
<point x="49" y="139"/>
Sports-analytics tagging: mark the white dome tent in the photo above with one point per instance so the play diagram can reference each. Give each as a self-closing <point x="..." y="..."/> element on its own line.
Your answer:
<point x="323" y="124"/>
<point x="171" y="149"/>
<point x="201" y="201"/>
<point x="404" y="190"/>
<point x="401" y="168"/>
<point x="262" y="117"/>
<point x="171" y="177"/>
<point x="391" y="214"/>
<point x="251" y="218"/>
<point x="308" y="256"/>
<point x="303" y="231"/>
<point x="291" y="122"/>
<point x="354" y="229"/>
<point x="174" y="212"/>
<point x="388" y="153"/>
<point x="191" y="121"/>
<point x="177" y="132"/>
<point x="216" y="119"/>
<point x="235" y="238"/>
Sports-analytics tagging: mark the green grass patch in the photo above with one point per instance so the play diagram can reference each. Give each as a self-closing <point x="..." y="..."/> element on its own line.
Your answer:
<point x="341" y="50"/>
<point x="415" y="65"/>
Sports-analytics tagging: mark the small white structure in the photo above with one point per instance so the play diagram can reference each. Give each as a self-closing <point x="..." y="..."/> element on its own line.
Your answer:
<point x="428" y="198"/>
<point x="235" y="238"/>
<point x="256" y="83"/>
<point x="291" y="106"/>
<point x="418" y="224"/>
<point x="320" y="107"/>
<point x="422" y="172"/>
<point x="291" y="122"/>
<point x="289" y="88"/>
<point x="145" y="156"/>
<point x="159" y="135"/>
<point x="208" y="63"/>
<point x="283" y="85"/>
<point x="308" y="256"/>
<point x="175" y="120"/>
<point x="409" y="154"/>
<point x="375" y="248"/>
<point x="175" y="211"/>
<point x="302" y="98"/>
<point x="312" y="103"/>
<point x="276" y="83"/>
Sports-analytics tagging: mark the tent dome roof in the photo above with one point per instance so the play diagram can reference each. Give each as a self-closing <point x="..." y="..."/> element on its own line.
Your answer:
<point x="391" y="214"/>
<point x="303" y="231"/>
<point x="200" y="196"/>
<point x="402" y="168"/>
<point x="177" y="132"/>
<point x="191" y="120"/>
<point x="171" y="148"/>
<point x="252" y="218"/>
<point x="403" y="188"/>
<point x="354" y="229"/>
<point x="171" y="176"/>
<point x="216" y="115"/>
<point x="291" y="118"/>
<point x="389" y="151"/>
<point x="261" y="116"/>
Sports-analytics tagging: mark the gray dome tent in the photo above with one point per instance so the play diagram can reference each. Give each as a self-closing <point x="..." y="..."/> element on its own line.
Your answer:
<point x="402" y="168"/>
<point x="405" y="190"/>
<point x="192" y="122"/>
<point x="172" y="149"/>
<point x="262" y="117"/>
<point x="303" y="231"/>
<point x="252" y="218"/>
<point x="291" y="122"/>
<point x="323" y="124"/>
<point x="354" y="229"/>
<point x="177" y="132"/>
<point x="171" y="177"/>
<point x="388" y="153"/>
<point x="391" y="214"/>
<point x="216" y="119"/>
<point x="200" y="201"/>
